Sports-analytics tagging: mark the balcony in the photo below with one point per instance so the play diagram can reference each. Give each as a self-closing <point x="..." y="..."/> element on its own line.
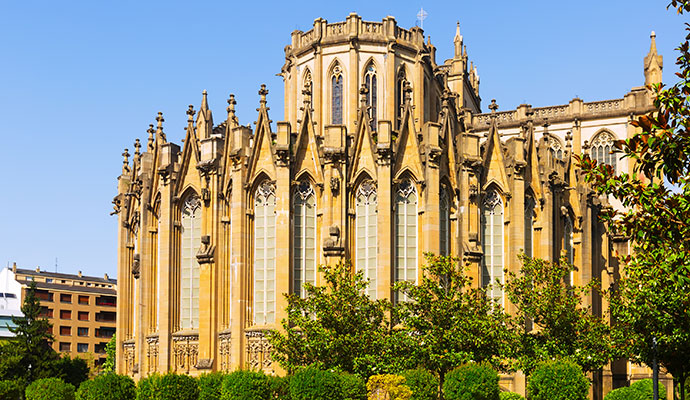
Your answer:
<point x="106" y="301"/>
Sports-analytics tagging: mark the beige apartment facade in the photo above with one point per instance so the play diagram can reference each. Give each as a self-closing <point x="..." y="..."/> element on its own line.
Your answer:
<point x="383" y="155"/>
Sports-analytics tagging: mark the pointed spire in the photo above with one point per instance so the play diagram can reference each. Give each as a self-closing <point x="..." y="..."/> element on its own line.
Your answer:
<point x="150" y="131"/>
<point x="231" y="110"/>
<point x="159" y="131"/>
<point x="458" y="41"/>
<point x="263" y="92"/>
<point x="204" y="101"/>
<point x="137" y="148"/>
<point x="125" y="161"/>
<point x="653" y="63"/>
<point x="652" y="47"/>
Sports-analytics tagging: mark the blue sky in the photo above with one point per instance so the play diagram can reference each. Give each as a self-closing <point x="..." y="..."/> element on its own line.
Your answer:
<point x="80" y="80"/>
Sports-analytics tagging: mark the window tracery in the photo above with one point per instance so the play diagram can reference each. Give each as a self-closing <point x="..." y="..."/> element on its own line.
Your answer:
<point x="556" y="147"/>
<point x="492" y="243"/>
<point x="264" y="253"/>
<point x="304" y="237"/>
<point x="337" y="96"/>
<point x="365" y="233"/>
<point x="370" y="83"/>
<point x="405" y="233"/>
<point x="189" y="266"/>
<point x="602" y="149"/>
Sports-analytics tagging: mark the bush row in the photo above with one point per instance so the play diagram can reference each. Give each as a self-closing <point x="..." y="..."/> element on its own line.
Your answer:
<point x="558" y="380"/>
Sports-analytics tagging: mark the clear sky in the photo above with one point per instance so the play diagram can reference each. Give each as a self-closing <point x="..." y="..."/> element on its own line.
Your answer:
<point x="80" y="80"/>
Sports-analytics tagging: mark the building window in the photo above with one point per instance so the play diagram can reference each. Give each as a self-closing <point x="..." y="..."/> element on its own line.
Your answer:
<point x="49" y="280"/>
<point x="82" y="347"/>
<point x="602" y="149"/>
<point x="82" y="331"/>
<point x="65" y="314"/>
<point x="65" y="298"/>
<point x="46" y="312"/>
<point x="65" y="346"/>
<point x="83" y="316"/>
<point x="568" y="247"/>
<point x="337" y="96"/>
<point x="365" y="234"/>
<point x="189" y="266"/>
<point x="400" y="83"/>
<point x="66" y="331"/>
<point x="370" y="83"/>
<point x="405" y="233"/>
<point x="444" y="221"/>
<point x="556" y="147"/>
<point x="264" y="254"/>
<point x="529" y="224"/>
<point x="304" y="237"/>
<point x="44" y="295"/>
<point x="84" y="300"/>
<point x="492" y="242"/>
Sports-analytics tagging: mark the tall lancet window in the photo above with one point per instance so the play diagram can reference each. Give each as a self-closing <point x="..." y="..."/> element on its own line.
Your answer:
<point x="492" y="242"/>
<point x="365" y="233"/>
<point x="370" y="83"/>
<point x="529" y="226"/>
<point x="189" y="266"/>
<point x="399" y="97"/>
<point x="157" y="260"/>
<point x="405" y="233"/>
<point x="264" y="254"/>
<point x="444" y="221"/>
<point x="602" y="149"/>
<point x="568" y="247"/>
<point x="304" y="237"/>
<point x="337" y="96"/>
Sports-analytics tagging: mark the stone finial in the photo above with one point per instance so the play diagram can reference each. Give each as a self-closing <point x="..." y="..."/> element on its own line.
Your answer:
<point x="306" y="95"/>
<point x="263" y="92"/>
<point x="125" y="161"/>
<point x="546" y="125"/>
<point x="407" y="90"/>
<point x="363" y="91"/>
<point x="159" y="130"/>
<point x="190" y="113"/>
<point x="493" y="106"/>
<point x="231" y="105"/>
<point x="569" y="140"/>
<point x="150" y="131"/>
<point x="204" y="100"/>
<point x="137" y="147"/>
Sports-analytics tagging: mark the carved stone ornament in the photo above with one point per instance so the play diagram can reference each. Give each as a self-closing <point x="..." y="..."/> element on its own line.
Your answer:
<point x="185" y="351"/>
<point x="204" y="363"/>
<point x="258" y="351"/>
<point x="206" y="251"/>
<point x="304" y="190"/>
<point x="491" y="200"/>
<point x="225" y="350"/>
<point x="331" y="245"/>
<point x="191" y="204"/>
<point x="335" y="184"/>
<point x="136" y="266"/>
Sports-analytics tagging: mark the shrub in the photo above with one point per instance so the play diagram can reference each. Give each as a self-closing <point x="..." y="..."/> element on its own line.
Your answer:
<point x="314" y="384"/>
<point x="640" y="390"/>
<point x="422" y="383"/>
<point x="178" y="387"/>
<point x="10" y="390"/>
<point x="279" y="387"/>
<point x="107" y="387"/>
<point x="149" y="388"/>
<point x="49" y="389"/>
<point x="472" y="382"/>
<point x="246" y="385"/>
<point x="510" y="396"/>
<point x="558" y="380"/>
<point x="387" y="386"/>
<point x="353" y="387"/>
<point x="211" y="386"/>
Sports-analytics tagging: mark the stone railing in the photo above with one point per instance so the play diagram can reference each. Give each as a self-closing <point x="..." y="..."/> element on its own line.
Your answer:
<point x="551" y="112"/>
<point x="185" y="351"/>
<point x="403" y="34"/>
<point x="336" y="29"/>
<point x="503" y="116"/>
<point x="372" y="27"/>
<point x="307" y="38"/>
<point x="598" y="107"/>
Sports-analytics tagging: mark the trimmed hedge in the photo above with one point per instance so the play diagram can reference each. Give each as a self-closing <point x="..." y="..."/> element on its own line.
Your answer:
<point x="280" y="387"/>
<point x="424" y="384"/>
<point x="314" y="384"/>
<point x="353" y="387"/>
<point x="149" y="388"/>
<point x="640" y="390"/>
<point x="107" y="387"/>
<point x="178" y="387"/>
<point x="246" y="385"/>
<point x="211" y="386"/>
<point x="510" y="396"/>
<point x="49" y="389"/>
<point x="558" y="380"/>
<point x="393" y="386"/>
<point x="10" y="390"/>
<point x="472" y="382"/>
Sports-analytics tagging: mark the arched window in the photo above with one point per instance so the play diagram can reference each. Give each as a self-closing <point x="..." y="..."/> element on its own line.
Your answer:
<point x="370" y="83"/>
<point x="304" y="237"/>
<point x="556" y="147"/>
<point x="337" y="96"/>
<point x="157" y="260"/>
<point x="365" y="233"/>
<point x="602" y="148"/>
<point x="189" y="266"/>
<point x="444" y="221"/>
<point x="492" y="242"/>
<point x="529" y="222"/>
<point x="399" y="97"/>
<point x="568" y="247"/>
<point x="405" y="233"/>
<point x="264" y="254"/>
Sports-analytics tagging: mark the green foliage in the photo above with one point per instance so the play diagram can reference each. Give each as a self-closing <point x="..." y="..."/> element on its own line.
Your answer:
<point x="472" y="382"/>
<point x="565" y="328"/>
<point x="311" y="383"/>
<point x="178" y="387"/>
<point x="388" y="387"/>
<point x="510" y="396"/>
<point x="640" y="390"/>
<point x="246" y="385"/>
<point x="353" y="387"/>
<point x="107" y="387"/>
<point x="280" y="387"/>
<point x="149" y="388"/>
<point x="338" y="327"/>
<point x="49" y="389"/>
<point x="211" y="386"/>
<point x="451" y="320"/>
<point x="558" y="380"/>
<point x="71" y="370"/>
<point x="10" y="390"/>
<point x="424" y="384"/>
<point x="109" y="364"/>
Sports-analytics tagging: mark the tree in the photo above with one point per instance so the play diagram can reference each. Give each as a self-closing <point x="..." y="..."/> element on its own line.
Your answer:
<point x="109" y="364"/>
<point x="450" y="321"/>
<point x="563" y="327"/>
<point x="652" y="304"/>
<point x="338" y="326"/>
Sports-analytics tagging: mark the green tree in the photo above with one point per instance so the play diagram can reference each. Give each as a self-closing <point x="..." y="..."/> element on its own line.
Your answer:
<point x="109" y="364"/>
<point x="653" y="300"/>
<point x="563" y="327"/>
<point x="451" y="321"/>
<point x="338" y="326"/>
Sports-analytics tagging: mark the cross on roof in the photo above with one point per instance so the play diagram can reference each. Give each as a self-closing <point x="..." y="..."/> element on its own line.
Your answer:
<point x="421" y="16"/>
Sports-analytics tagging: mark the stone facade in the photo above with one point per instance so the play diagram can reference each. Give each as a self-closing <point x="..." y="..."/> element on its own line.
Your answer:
<point x="383" y="155"/>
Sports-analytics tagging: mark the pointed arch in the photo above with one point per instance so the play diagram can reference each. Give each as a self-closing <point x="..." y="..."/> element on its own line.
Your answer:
<point x="445" y="210"/>
<point x="370" y="81"/>
<point x="492" y="213"/>
<point x="190" y="241"/>
<point x="365" y="227"/>
<point x="264" y="243"/>
<point x="400" y="81"/>
<point x="601" y="148"/>
<point x="336" y="79"/>
<point x="406" y="231"/>
<point x="556" y="146"/>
